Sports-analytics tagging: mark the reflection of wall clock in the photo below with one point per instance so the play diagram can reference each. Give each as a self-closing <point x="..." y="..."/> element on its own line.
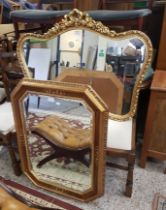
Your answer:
<point x="71" y="40"/>
<point x="71" y="44"/>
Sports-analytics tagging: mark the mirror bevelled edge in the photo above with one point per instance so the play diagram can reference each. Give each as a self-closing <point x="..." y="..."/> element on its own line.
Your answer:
<point x="77" y="91"/>
<point x="81" y="20"/>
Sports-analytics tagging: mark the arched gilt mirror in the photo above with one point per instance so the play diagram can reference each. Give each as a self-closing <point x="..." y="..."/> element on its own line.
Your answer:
<point x="81" y="50"/>
<point x="61" y="130"/>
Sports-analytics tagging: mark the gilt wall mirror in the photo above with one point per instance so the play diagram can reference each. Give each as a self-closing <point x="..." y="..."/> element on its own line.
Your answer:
<point x="78" y="43"/>
<point x="61" y="130"/>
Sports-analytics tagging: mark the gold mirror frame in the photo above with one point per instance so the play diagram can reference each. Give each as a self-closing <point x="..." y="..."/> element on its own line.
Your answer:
<point x="80" y="20"/>
<point x="99" y="132"/>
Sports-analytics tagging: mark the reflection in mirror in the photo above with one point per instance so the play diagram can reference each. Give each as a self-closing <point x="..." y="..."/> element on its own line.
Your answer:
<point x="78" y="42"/>
<point x="83" y="49"/>
<point x="59" y="140"/>
<point x="86" y="50"/>
<point x="61" y="134"/>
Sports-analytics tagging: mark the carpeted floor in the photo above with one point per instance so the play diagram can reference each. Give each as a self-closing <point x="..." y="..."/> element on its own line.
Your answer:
<point x="147" y="182"/>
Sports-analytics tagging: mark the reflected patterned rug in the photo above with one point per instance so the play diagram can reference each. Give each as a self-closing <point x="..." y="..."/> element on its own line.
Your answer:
<point x="159" y="202"/>
<point x="36" y="197"/>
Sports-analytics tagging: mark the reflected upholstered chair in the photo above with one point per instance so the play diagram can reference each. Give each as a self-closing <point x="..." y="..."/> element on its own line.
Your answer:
<point x="66" y="141"/>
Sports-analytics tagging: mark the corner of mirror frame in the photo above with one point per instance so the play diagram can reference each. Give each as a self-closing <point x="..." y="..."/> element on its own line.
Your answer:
<point x="51" y="88"/>
<point x="81" y="20"/>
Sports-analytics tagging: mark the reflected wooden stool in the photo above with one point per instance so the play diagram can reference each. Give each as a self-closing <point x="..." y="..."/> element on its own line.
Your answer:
<point x="66" y="141"/>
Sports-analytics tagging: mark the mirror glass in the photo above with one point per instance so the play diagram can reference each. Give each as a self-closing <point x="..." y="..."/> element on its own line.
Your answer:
<point x="59" y="140"/>
<point x="82" y="49"/>
<point x="61" y="133"/>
